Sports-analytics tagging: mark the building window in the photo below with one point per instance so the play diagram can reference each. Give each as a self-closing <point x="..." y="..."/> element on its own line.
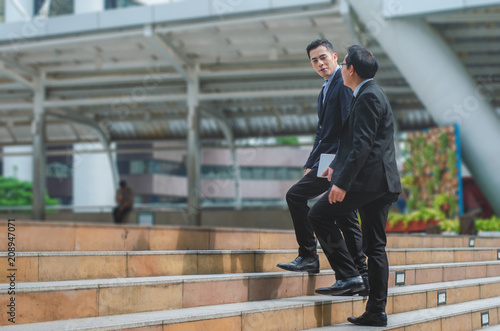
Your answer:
<point x="56" y="7"/>
<point x="112" y="4"/>
<point x="173" y="168"/>
<point x="137" y="167"/>
<point x="58" y="170"/>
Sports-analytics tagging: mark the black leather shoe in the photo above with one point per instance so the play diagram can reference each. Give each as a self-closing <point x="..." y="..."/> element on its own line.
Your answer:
<point x="370" y="319"/>
<point x="364" y="293"/>
<point x="352" y="285"/>
<point x="301" y="264"/>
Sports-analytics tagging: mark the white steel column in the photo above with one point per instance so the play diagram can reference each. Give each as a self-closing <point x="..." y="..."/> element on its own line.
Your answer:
<point x="237" y="177"/>
<point x="190" y="71"/>
<point x="443" y="85"/>
<point x="228" y="133"/>
<point x="38" y="131"/>
<point x="193" y="152"/>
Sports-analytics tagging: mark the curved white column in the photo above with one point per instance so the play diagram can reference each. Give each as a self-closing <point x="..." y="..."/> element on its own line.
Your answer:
<point x="445" y="88"/>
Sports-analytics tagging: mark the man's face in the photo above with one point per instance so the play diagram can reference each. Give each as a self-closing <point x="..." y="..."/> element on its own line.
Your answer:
<point x="346" y="73"/>
<point x="323" y="61"/>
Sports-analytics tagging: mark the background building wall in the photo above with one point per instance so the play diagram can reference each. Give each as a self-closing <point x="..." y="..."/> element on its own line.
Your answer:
<point x="20" y="167"/>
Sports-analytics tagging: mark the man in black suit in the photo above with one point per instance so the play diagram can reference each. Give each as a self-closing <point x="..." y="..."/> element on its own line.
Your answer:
<point x="333" y="108"/>
<point x="363" y="176"/>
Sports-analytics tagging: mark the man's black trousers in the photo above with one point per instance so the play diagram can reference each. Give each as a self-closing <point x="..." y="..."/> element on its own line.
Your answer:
<point x="373" y="208"/>
<point x="308" y="187"/>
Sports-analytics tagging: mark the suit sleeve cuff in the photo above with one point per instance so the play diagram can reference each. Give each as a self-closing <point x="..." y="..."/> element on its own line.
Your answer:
<point x="344" y="184"/>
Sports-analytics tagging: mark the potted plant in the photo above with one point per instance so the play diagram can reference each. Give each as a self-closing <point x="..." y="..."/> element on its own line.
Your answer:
<point x="395" y="222"/>
<point x="488" y="227"/>
<point x="450" y="226"/>
<point x="420" y="219"/>
<point x="416" y="221"/>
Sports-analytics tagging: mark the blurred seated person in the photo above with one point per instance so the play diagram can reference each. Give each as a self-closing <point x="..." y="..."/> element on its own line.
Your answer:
<point x="125" y="201"/>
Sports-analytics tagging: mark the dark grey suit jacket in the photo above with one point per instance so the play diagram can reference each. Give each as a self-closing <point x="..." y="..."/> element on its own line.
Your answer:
<point x="331" y="116"/>
<point x="366" y="160"/>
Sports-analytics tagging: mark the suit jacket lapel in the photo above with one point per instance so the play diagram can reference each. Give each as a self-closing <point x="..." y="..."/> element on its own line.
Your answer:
<point x="332" y="86"/>
<point x="320" y="102"/>
<point x="321" y="108"/>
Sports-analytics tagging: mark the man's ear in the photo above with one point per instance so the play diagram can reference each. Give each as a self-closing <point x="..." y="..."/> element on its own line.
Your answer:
<point x="335" y="56"/>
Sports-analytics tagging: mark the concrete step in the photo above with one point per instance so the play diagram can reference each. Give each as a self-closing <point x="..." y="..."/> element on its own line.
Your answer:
<point x="459" y="317"/>
<point x="492" y="328"/>
<point x="74" y="236"/>
<point x="63" y="299"/>
<point x="51" y="266"/>
<point x="297" y="313"/>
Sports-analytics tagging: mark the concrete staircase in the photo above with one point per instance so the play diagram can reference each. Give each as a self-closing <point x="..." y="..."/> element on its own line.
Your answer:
<point x="75" y="276"/>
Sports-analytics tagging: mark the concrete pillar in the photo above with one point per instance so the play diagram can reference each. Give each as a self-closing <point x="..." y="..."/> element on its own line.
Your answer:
<point x="18" y="9"/>
<point x="93" y="183"/>
<point x="226" y="129"/>
<point x="442" y="83"/>
<point x="20" y="167"/>
<point x="193" y="153"/>
<point x="88" y="6"/>
<point x="39" y="159"/>
<point x="237" y="178"/>
<point x="112" y="163"/>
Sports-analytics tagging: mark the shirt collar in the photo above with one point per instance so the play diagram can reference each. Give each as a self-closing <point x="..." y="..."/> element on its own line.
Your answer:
<point x="329" y="80"/>
<point x="356" y="90"/>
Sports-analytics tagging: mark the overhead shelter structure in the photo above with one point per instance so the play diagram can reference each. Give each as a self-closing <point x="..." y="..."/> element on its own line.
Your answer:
<point x="217" y="70"/>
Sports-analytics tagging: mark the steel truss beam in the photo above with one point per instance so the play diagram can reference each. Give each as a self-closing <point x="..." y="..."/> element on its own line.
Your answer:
<point x="16" y="76"/>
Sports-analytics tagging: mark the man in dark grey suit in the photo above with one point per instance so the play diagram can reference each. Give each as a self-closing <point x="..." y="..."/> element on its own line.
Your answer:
<point x="333" y="108"/>
<point x="363" y="176"/>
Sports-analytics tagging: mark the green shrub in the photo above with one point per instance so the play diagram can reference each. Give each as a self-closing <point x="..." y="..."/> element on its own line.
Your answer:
<point x="14" y="192"/>
<point x="492" y="224"/>
<point x="449" y="225"/>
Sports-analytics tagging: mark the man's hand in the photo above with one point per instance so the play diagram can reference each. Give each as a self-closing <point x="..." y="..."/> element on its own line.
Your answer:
<point x="336" y="194"/>
<point x="329" y="172"/>
<point x="306" y="171"/>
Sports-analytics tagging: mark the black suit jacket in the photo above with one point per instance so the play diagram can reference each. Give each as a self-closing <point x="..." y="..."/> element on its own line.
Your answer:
<point x="366" y="161"/>
<point x="331" y="117"/>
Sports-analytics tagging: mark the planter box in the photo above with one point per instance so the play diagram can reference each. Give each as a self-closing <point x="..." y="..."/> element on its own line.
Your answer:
<point x="398" y="227"/>
<point x="413" y="226"/>
<point x="488" y="233"/>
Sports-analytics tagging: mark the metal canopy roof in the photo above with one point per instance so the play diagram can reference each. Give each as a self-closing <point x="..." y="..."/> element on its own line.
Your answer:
<point x="254" y="74"/>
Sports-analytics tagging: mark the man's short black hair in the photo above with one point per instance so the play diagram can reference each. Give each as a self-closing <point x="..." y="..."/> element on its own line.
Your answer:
<point x="364" y="62"/>
<point x="317" y="43"/>
<point x="123" y="183"/>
